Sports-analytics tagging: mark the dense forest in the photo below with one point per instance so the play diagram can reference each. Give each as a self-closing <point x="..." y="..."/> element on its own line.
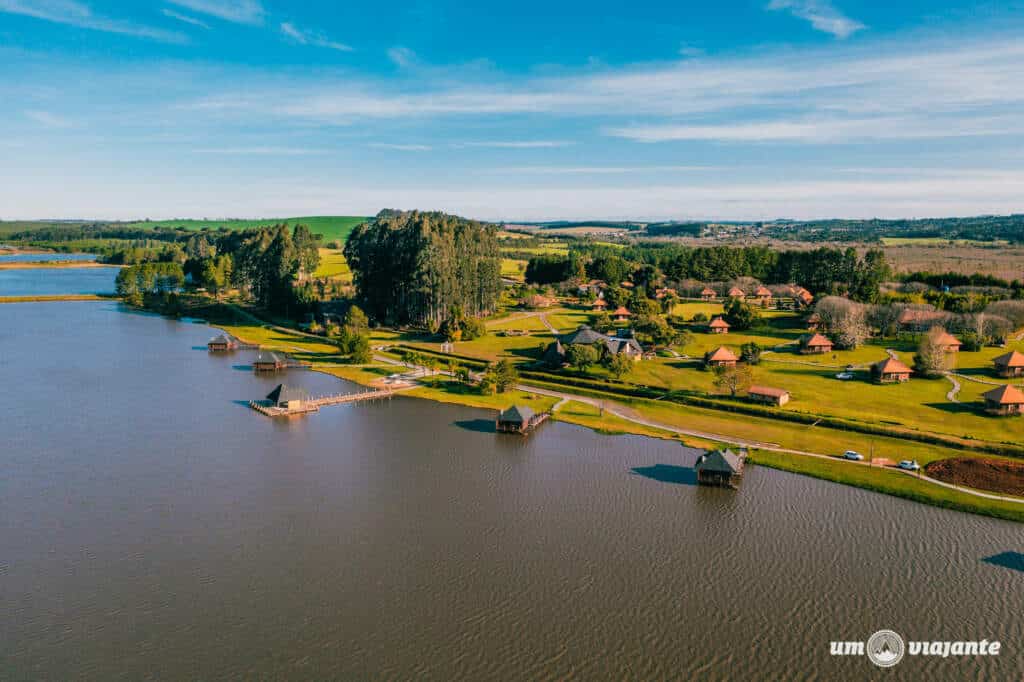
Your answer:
<point x="421" y="268"/>
<point x="821" y="271"/>
<point x="981" y="228"/>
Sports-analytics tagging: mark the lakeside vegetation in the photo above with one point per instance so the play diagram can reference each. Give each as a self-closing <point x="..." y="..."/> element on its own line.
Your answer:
<point x="438" y="278"/>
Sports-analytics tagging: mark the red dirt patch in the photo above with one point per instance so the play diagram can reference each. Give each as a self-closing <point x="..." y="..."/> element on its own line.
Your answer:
<point x="994" y="475"/>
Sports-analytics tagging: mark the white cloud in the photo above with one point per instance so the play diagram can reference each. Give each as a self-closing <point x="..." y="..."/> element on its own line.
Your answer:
<point x="402" y="56"/>
<point x="822" y="14"/>
<point x="516" y="144"/>
<point x="597" y="170"/>
<point x="401" y="147"/>
<point x="49" y="119"/>
<point x="259" y="151"/>
<point x="304" y="37"/>
<point x="78" y="14"/>
<point x="237" y="11"/>
<point x="184" y="18"/>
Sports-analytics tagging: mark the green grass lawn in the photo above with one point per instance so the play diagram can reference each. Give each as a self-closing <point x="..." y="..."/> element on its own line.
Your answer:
<point x="688" y="310"/>
<point x="333" y="265"/>
<point x="333" y="228"/>
<point x="512" y="268"/>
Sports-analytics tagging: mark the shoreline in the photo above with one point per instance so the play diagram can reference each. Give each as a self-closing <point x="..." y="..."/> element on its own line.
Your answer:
<point x="56" y="298"/>
<point x="55" y="264"/>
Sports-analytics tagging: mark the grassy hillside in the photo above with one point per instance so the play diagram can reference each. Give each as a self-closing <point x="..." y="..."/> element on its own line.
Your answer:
<point x="333" y="228"/>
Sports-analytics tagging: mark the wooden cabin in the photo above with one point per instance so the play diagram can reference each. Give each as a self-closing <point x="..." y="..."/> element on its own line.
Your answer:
<point x="718" y="326"/>
<point x="515" y="419"/>
<point x="1004" y="401"/>
<point x="622" y="314"/>
<point x="736" y="292"/>
<point x="722" y="357"/>
<point x="600" y="304"/>
<point x="708" y="294"/>
<point x="222" y="343"/>
<point x="267" y="361"/>
<point x="720" y="468"/>
<point x="1010" y="365"/>
<point x="948" y="342"/>
<point x="768" y="396"/>
<point x="890" y="371"/>
<point x="288" y="398"/>
<point x="815" y="344"/>
<point x="763" y="295"/>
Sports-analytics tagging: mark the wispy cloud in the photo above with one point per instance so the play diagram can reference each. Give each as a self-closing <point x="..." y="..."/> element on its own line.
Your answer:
<point x="305" y="37"/>
<point x="259" y="151"/>
<point x="237" y="11"/>
<point x="184" y="18"/>
<point x="597" y="170"/>
<point x="49" y="119"/>
<point x="402" y="56"/>
<point x="822" y="14"/>
<point x="402" y="147"/>
<point x="516" y="144"/>
<point x="80" y="15"/>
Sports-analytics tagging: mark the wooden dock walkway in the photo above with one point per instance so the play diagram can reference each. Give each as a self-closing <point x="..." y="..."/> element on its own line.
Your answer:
<point x="314" y="404"/>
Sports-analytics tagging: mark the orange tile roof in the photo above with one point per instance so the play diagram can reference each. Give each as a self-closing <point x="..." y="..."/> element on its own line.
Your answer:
<point x="622" y="310"/>
<point x="1005" y="395"/>
<point x="1012" y="359"/>
<point x="819" y="340"/>
<point x="763" y="291"/>
<point x="708" y="291"/>
<point x="764" y="390"/>
<point x="892" y="366"/>
<point x="736" y="292"/>
<point x="719" y="323"/>
<point x="723" y="354"/>
<point x="947" y="339"/>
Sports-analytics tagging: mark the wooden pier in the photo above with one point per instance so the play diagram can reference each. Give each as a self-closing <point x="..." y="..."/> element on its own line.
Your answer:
<point x="306" y="406"/>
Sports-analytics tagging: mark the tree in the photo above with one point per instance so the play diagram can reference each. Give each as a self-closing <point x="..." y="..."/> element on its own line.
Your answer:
<point x="359" y="349"/>
<point x="732" y="380"/>
<point x="602" y="322"/>
<point x="750" y="353"/>
<point x="619" y="365"/>
<point x="581" y="356"/>
<point x="506" y="376"/>
<point x="740" y="315"/>
<point x="356" y="320"/>
<point x="931" y="359"/>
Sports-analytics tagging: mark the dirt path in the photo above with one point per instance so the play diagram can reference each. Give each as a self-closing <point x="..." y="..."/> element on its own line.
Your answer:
<point x="951" y="396"/>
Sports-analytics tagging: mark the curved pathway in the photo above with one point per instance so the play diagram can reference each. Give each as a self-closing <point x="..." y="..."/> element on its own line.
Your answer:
<point x="951" y="396"/>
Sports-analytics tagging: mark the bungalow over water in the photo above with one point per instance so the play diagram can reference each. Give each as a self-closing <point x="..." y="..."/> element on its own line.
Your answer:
<point x="1004" y="401"/>
<point x="768" y="396"/>
<point x="267" y="361"/>
<point x="721" y="468"/>
<point x="519" y="419"/>
<point x="288" y="398"/>
<point x="718" y="326"/>
<point x="1010" y="365"/>
<point x="890" y="371"/>
<point x="722" y="357"/>
<point x="221" y="343"/>
<point x="815" y="344"/>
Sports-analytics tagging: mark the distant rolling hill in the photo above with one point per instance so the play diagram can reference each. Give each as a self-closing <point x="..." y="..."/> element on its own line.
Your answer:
<point x="333" y="228"/>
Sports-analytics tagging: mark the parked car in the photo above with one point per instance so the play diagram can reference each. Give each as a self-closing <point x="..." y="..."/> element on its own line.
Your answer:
<point x="909" y="465"/>
<point x="844" y="376"/>
<point x="854" y="455"/>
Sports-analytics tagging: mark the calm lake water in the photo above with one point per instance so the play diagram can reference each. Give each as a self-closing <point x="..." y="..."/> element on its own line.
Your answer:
<point x="151" y="526"/>
<point x="34" y="257"/>
<point x="52" y="281"/>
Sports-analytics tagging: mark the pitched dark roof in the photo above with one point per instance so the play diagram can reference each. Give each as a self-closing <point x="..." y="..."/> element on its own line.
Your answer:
<point x="554" y="354"/>
<point x="1005" y="395"/>
<point x="1011" y="359"/>
<point x="588" y="337"/>
<point x="720" y="461"/>
<point x="221" y="339"/>
<point x="283" y="394"/>
<point x="268" y="357"/>
<point x="517" y="415"/>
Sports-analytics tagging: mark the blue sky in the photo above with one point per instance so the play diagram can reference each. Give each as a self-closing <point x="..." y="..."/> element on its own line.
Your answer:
<point x="752" y="109"/>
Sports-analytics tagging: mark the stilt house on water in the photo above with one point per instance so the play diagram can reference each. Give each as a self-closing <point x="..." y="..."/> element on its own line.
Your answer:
<point x="267" y="361"/>
<point x="221" y="344"/>
<point x="519" y="419"/>
<point x="288" y="398"/>
<point x="721" y="468"/>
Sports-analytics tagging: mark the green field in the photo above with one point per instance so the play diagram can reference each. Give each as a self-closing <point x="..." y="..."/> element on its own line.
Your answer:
<point x="333" y="228"/>
<point x="938" y="241"/>
<point x="333" y="265"/>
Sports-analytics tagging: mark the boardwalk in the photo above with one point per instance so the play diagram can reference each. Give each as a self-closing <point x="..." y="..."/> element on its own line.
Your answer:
<point x="314" y="404"/>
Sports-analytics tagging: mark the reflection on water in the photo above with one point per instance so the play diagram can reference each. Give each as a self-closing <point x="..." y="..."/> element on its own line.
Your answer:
<point x="151" y="526"/>
<point x="54" y="281"/>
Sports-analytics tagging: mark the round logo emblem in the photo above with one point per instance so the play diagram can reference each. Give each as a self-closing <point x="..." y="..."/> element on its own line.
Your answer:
<point x="885" y="648"/>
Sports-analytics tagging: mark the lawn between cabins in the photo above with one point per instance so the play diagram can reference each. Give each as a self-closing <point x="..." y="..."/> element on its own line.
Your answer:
<point x="732" y="426"/>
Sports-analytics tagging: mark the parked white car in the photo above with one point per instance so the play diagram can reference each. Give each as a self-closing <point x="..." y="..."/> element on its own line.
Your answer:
<point x="909" y="465"/>
<point x="844" y="376"/>
<point x="854" y="455"/>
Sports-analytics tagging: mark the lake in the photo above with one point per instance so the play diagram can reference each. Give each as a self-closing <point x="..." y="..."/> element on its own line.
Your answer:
<point x="39" y="257"/>
<point x="55" y="281"/>
<point x="152" y="526"/>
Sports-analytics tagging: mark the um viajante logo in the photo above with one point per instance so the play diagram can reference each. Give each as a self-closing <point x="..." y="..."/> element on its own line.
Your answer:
<point x="886" y="648"/>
